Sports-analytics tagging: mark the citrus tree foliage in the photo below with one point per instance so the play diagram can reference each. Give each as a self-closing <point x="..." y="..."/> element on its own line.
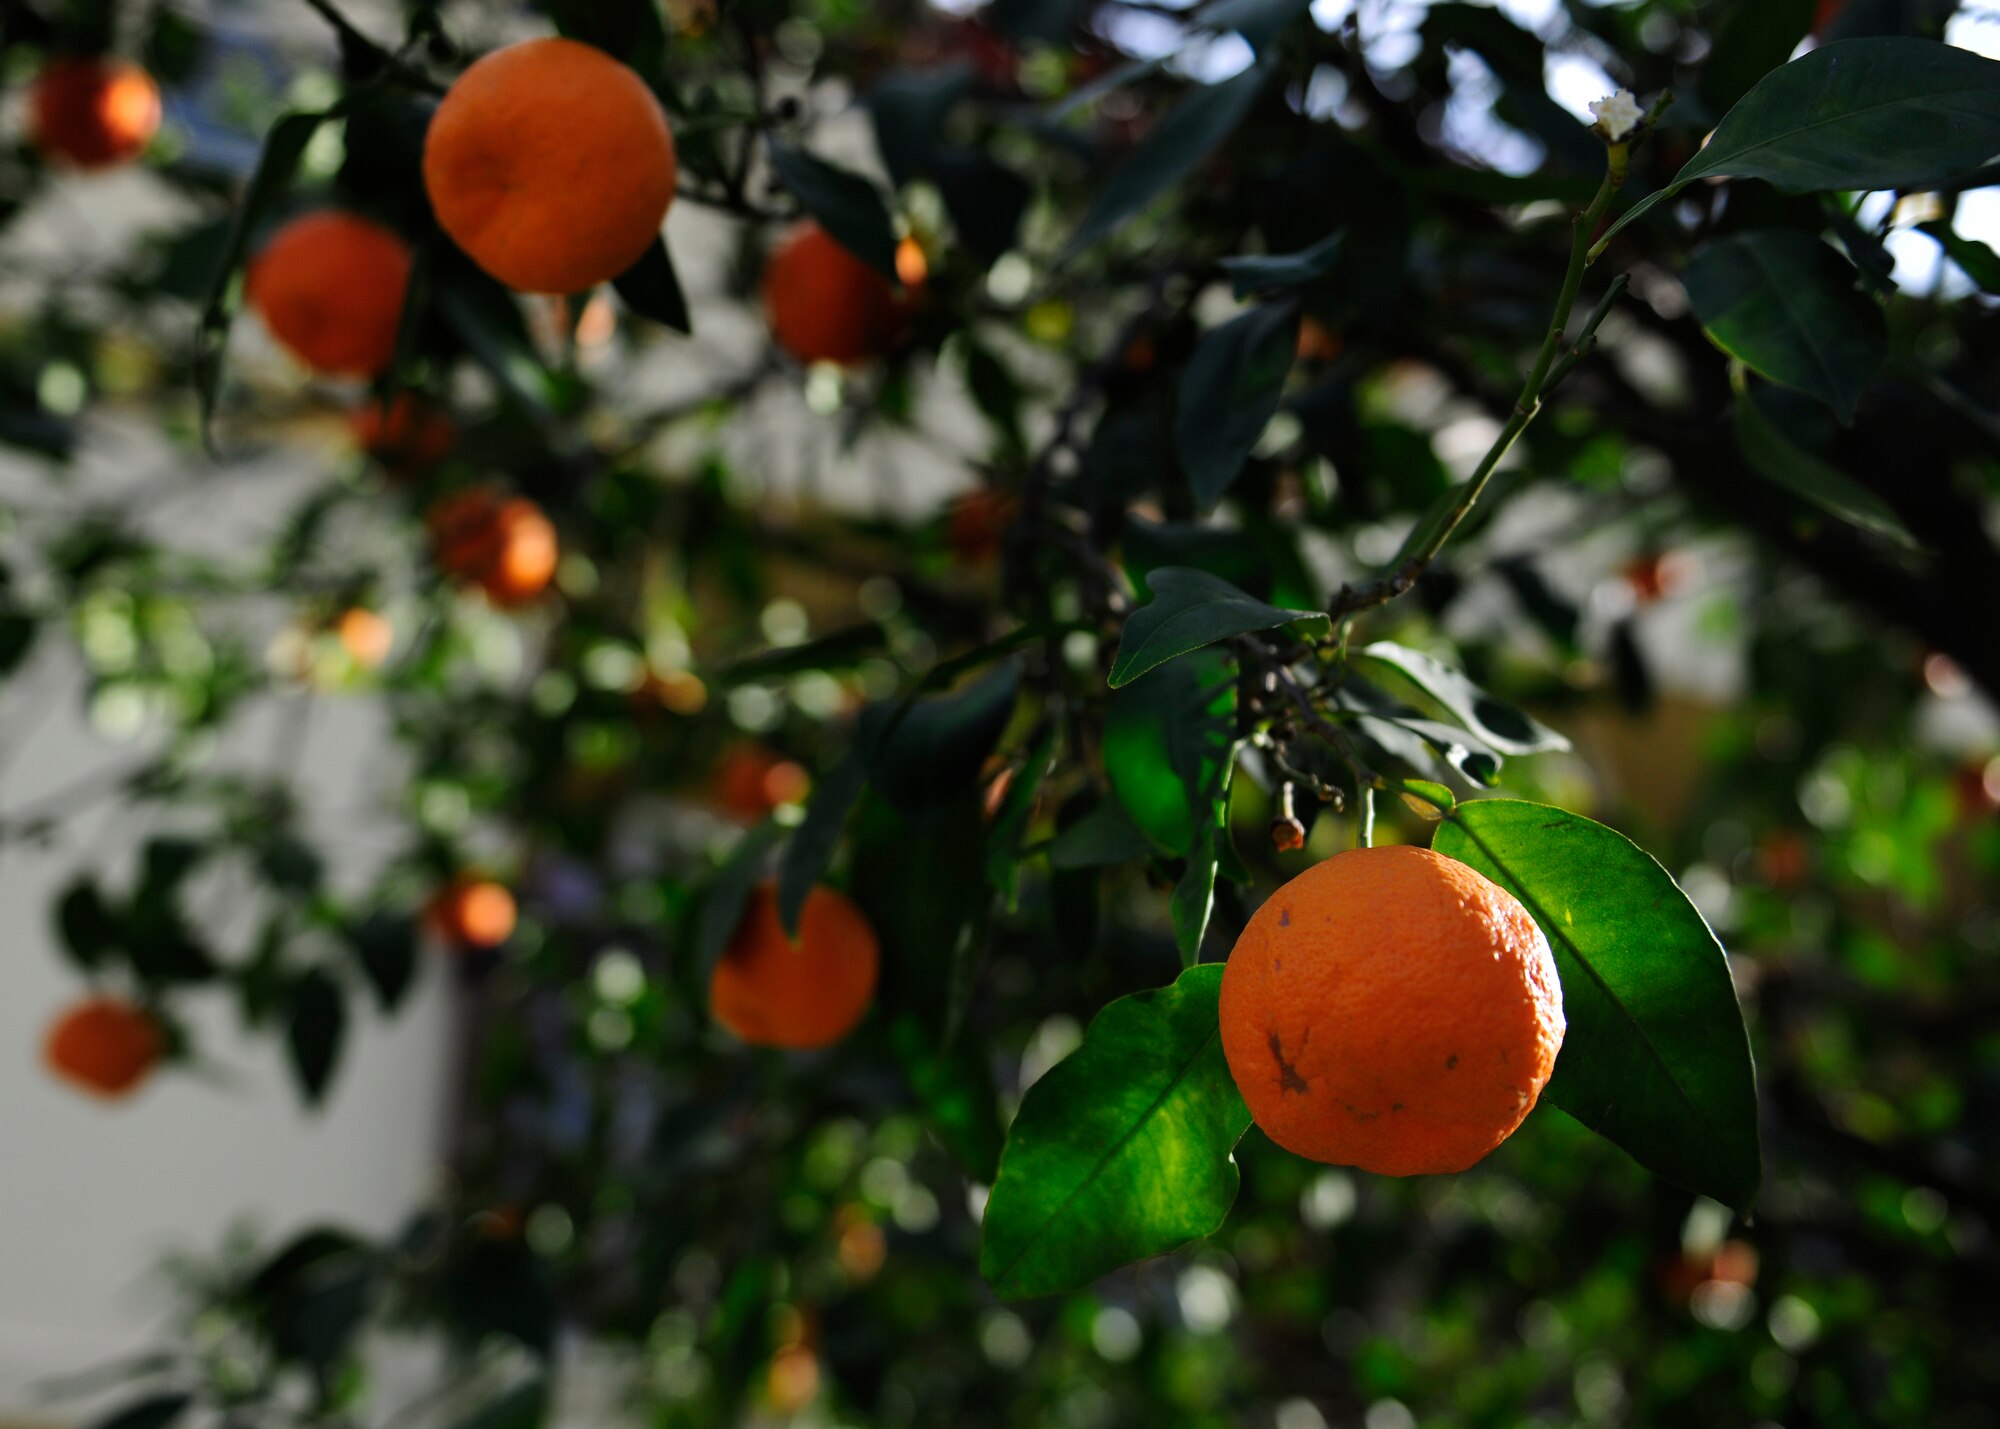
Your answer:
<point x="1294" y="360"/>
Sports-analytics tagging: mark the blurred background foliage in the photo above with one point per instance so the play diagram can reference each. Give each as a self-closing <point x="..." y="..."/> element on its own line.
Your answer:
<point x="1787" y="710"/>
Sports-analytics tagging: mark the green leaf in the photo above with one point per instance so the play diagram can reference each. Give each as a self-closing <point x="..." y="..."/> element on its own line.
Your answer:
<point x="1980" y="262"/>
<point x="809" y="851"/>
<point x="385" y="945"/>
<point x="1757" y="37"/>
<point x="315" y="1031"/>
<point x="1258" y="21"/>
<point x="89" y="930"/>
<point x="927" y="752"/>
<point x="284" y="146"/>
<point x="1655" y="1057"/>
<point x="1190" y="609"/>
<point x="1263" y="273"/>
<point x="1104" y="836"/>
<point x="486" y="319"/>
<point x="1194" y="891"/>
<point x="17" y="638"/>
<point x="652" y="289"/>
<point x="1010" y="822"/>
<point x="1785" y="305"/>
<point x="955" y="1089"/>
<point x="1890" y="113"/>
<point x="848" y="207"/>
<point x="525" y="1406"/>
<point x="910" y="108"/>
<point x="837" y="650"/>
<point x="1229" y="394"/>
<point x="1169" y="743"/>
<point x="631" y="30"/>
<point x="722" y="907"/>
<point x="1774" y="456"/>
<point x="1123" y="1150"/>
<point x="156" y="1412"/>
<point x="1496" y="723"/>
<point x="1175" y="148"/>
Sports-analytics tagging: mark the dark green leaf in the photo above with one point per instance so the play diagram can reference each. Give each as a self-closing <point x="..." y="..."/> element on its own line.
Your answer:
<point x="1758" y="36"/>
<point x="1889" y="113"/>
<point x="722" y="906"/>
<point x="1980" y="262"/>
<point x="809" y="851"/>
<point x="848" y="207"/>
<point x="631" y="30"/>
<point x="156" y="1412"/>
<point x="1104" y="836"/>
<point x="1258" y="21"/>
<point x="90" y="931"/>
<point x="837" y="650"/>
<point x="1169" y="746"/>
<point x="926" y="752"/>
<point x="652" y="289"/>
<point x="487" y="320"/>
<point x="17" y="638"/>
<point x="909" y="108"/>
<point x="1191" y="609"/>
<point x="1009" y="824"/>
<point x="1497" y="724"/>
<point x="525" y="1406"/>
<point x="1230" y="392"/>
<point x="1045" y="20"/>
<point x="1774" y="456"/>
<point x="1123" y="1150"/>
<point x="1655" y="1057"/>
<point x="1784" y="304"/>
<point x="985" y="199"/>
<point x="385" y="945"/>
<point x="955" y="1089"/>
<point x="1194" y="891"/>
<point x="1176" y="147"/>
<point x="1263" y="273"/>
<point x="316" y="1030"/>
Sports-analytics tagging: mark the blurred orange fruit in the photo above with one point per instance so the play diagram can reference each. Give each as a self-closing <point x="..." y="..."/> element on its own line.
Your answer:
<point x="365" y="636"/>
<point x="330" y="287"/>
<point x="1392" y="1009"/>
<point x="104" y="1046"/>
<point x="551" y="165"/>
<point x="472" y="914"/>
<point x="773" y="992"/>
<point x="502" y="544"/>
<point x="408" y="434"/>
<point x="976" y="527"/>
<point x="93" y="113"/>
<point x="750" y="780"/>
<point x="826" y="305"/>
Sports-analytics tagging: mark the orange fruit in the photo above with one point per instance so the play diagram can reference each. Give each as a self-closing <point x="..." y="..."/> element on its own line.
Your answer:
<point x="472" y="914"/>
<point x="826" y="305"/>
<point x="408" y="434"/>
<point x="551" y="165"/>
<point x="93" y="113"/>
<point x="365" y="636"/>
<point x="751" y="780"/>
<point x="774" y="992"/>
<point x="105" y="1046"/>
<point x="1391" y="1009"/>
<point x="502" y="544"/>
<point x="330" y="286"/>
<point x="976" y="527"/>
<point x="1317" y="342"/>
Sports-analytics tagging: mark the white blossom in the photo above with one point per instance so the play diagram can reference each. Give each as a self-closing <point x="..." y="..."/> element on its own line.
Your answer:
<point x="1617" y="115"/>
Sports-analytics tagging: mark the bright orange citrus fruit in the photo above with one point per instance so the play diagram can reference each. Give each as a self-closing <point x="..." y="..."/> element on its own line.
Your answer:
<point x="551" y="165"/>
<point x="408" y="434"/>
<point x="104" y="1045"/>
<point x="826" y="305"/>
<point x="774" y="992"/>
<point x="330" y="287"/>
<point x="502" y="544"/>
<point x="93" y="113"/>
<point x="1391" y="1009"/>
<point x="473" y="914"/>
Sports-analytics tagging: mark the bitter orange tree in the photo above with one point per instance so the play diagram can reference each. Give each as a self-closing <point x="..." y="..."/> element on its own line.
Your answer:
<point x="1018" y="655"/>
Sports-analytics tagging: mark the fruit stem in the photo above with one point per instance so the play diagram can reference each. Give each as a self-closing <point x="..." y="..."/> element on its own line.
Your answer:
<point x="1367" y="814"/>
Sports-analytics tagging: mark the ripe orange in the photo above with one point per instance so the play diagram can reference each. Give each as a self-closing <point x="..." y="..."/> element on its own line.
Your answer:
<point x="330" y="287"/>
<point x="365" y="636"/>
<point x="105" y="1046"/>
<point x="551" y="165"/>
<point x="1317" y="342"/>
<point x="472" y="914"/>
<point x="1391" y="1009"/>
<point x="773" y="992"/>
<point x="826" y="305"/>
<point x="408" y="434"/>
<point x="502" y="544"/>
<point x="93" y="113"/>
<point x="751" y="780"/>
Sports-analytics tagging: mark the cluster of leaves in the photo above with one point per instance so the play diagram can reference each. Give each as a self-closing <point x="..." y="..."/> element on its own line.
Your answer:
<point x="1041" y="785"/>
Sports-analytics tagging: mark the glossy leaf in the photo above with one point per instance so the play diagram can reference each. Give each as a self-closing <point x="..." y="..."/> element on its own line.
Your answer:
<point x="1175" y="148"/>
<point x="847" y="206"/>
<point x="1784" y="304"/>
<point x="1191" y="609"/>
<point x="1889" y="113"/>
<point x="1229" y="394"/>
<point x="1655" y="1057"/>
<point x="1495" y="722"/>
<point x="652" y="289"/>
<point x="1169" y="742"/>
<point x="1774" y="456"/>
<point x="1123" y="1150"/>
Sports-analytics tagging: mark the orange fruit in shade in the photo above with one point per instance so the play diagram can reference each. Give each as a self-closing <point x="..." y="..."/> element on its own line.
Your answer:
<point x="751" y="780"/>
<point x="976" y="526"/>
<point x="93" y="113"/>
<point x="472" y="914"/>
<point x="104" y="1046"/>
<point x="1317" y="342"/>
<point x="408" y="434"/>
<point x="502" y="544"/>
<point x="365" y="636"/>
<point x="330" y="286"/>
<point x="826" y="305"/>
<point x="773" y="992"/>
<point x="551" y="165"/>
<point x="1391" y="1009"/>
